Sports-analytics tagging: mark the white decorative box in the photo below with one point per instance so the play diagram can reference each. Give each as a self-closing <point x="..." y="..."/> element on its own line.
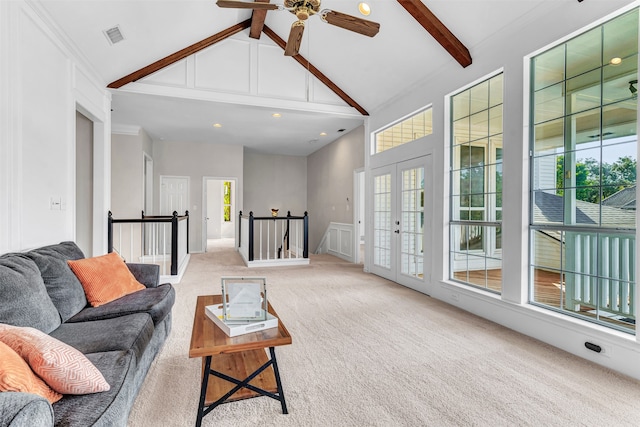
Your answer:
<point x="235" y="328"/>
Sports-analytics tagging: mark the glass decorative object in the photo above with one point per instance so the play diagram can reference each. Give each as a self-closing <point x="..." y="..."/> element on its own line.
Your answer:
<point x="244" y="299"/>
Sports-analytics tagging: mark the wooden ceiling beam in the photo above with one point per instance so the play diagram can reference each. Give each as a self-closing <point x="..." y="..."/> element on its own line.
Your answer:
<point x="179" y="55"/>
<point x="313" y="70"/>
<point x="438" y="30"/>
<point x="257" y="21"/>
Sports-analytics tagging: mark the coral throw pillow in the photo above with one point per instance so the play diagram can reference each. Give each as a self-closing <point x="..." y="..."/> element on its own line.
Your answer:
<point x="104" y="278"/>
<point x="16" y="375"/>
<point x="64" y="368"/>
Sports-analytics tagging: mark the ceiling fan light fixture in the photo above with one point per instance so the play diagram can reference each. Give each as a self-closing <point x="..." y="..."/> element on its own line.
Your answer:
<point x="364" y="8"/>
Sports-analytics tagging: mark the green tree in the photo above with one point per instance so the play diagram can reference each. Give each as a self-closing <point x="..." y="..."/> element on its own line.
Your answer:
<point x="593" y="177"/>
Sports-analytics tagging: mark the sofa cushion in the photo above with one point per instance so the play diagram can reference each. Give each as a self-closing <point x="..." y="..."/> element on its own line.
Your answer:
<point x="16" y="375"/>
<point x="147" y="274"/>
<point x="24" y="300"/>
<point x="101" y="409"/>
<point x="104" y="278"/>
<point x="155" y="301"/>
<point x="129" y="332"/>
<point x="62" y="367"/>
<point x="25" y="409"/>
<point x="63" y="286"/>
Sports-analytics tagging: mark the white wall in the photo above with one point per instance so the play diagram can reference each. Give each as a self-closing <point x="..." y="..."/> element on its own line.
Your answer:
<point x="42" y="84"/>
<point x="197" y="160"/>
<point x="330" y="183"/>
<point x="274" y="181"/>
<point x="506" y="50"/>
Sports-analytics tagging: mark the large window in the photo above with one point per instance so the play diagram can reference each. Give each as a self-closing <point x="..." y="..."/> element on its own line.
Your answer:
<point x="414" y="127"/>
<point x="583" y="174"/>
<point x="476" y="185"/>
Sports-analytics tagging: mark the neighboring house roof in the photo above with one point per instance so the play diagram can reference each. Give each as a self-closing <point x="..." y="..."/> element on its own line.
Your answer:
<point x="623" y="199"/>
<point x="549" y="208"/>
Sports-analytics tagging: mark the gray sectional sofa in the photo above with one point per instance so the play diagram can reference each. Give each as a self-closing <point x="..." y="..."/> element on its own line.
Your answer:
<point x="121" y="338"/>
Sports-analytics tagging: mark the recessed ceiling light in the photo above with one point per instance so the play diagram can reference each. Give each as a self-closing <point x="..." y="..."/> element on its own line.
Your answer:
<point x="217" y="125"/>
<point x="323" y="134"/>
<point x="276" y="115"/>
<point x="364" y="8"/>
<point x="615" y="61"/>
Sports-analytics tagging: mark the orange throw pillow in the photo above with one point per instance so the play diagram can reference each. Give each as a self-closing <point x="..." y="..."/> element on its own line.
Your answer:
<point x="62" y="367"/>
<point x="16" y="375"/>
<point x="104" y="278"/>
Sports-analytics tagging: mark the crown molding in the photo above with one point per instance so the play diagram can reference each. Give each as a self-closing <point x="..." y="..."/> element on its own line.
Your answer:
<point x="125" y="129"/>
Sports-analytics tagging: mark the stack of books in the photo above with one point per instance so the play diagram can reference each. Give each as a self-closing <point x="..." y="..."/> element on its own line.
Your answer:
<point x="239" y="327"/>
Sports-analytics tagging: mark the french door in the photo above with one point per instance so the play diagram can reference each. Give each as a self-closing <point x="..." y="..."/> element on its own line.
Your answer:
<point x="401" y="224"/>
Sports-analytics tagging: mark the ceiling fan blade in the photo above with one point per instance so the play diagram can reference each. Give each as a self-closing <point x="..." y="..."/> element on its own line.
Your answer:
<point x="295" y="39"/>
<point x="246" y="5"/>
<point x="351" y="23"/>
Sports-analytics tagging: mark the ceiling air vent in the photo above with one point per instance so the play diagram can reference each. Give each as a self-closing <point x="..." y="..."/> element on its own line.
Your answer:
<point x="114" y="34"/>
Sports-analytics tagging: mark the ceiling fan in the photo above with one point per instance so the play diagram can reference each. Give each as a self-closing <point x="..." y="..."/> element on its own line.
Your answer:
<point x="303" y="9"/>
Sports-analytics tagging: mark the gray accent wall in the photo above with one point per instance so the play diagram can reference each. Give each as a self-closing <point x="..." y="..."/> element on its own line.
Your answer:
<point x="127" y="174"/>
<point x="197" y="160"/>
<point x="274" y="181"/>
<point x="330" y="183"/>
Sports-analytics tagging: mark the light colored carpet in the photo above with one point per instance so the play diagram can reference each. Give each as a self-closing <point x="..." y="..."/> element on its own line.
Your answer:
<point x="368" y="352"/>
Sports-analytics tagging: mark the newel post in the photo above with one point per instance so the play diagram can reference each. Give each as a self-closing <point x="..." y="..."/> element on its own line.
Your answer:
<point x="109" y="232"/>
<point x="240" y="229"/>
<point x="186" y="213"/>
<point x="305" y="250"/>
<point x="251" y="236"/>
<point x="174" y="244"/>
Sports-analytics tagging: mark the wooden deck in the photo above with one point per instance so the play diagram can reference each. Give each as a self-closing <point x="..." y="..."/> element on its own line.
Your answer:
<point x="548" y="290"/>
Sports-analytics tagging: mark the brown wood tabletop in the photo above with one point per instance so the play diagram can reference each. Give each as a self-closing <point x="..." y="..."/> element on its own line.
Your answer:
<point x="207" y="339"/>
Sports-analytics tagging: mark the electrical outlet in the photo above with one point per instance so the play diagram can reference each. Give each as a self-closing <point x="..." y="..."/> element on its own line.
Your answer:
<point x="55" y="203"/>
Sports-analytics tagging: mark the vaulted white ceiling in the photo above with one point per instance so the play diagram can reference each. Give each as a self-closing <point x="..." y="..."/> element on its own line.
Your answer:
<point x="240" y="82"/>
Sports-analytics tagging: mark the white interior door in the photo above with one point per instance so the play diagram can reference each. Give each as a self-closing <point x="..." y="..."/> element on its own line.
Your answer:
<point x="401" y="224"/>
<point x="174" y="194"/>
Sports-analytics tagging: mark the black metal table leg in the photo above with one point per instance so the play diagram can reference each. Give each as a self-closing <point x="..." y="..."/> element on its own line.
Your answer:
<point x="203" y="390"/>
<point x="272" y="351"/>
<point x="202" y="410"/>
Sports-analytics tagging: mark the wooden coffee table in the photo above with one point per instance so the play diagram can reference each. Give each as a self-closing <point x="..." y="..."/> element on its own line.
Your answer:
<point x="243" y="356"/>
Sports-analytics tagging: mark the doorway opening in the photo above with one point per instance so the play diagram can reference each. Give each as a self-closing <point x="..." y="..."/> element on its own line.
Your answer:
<point x="84" y="184"/>
<point x="219" y="213"/>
